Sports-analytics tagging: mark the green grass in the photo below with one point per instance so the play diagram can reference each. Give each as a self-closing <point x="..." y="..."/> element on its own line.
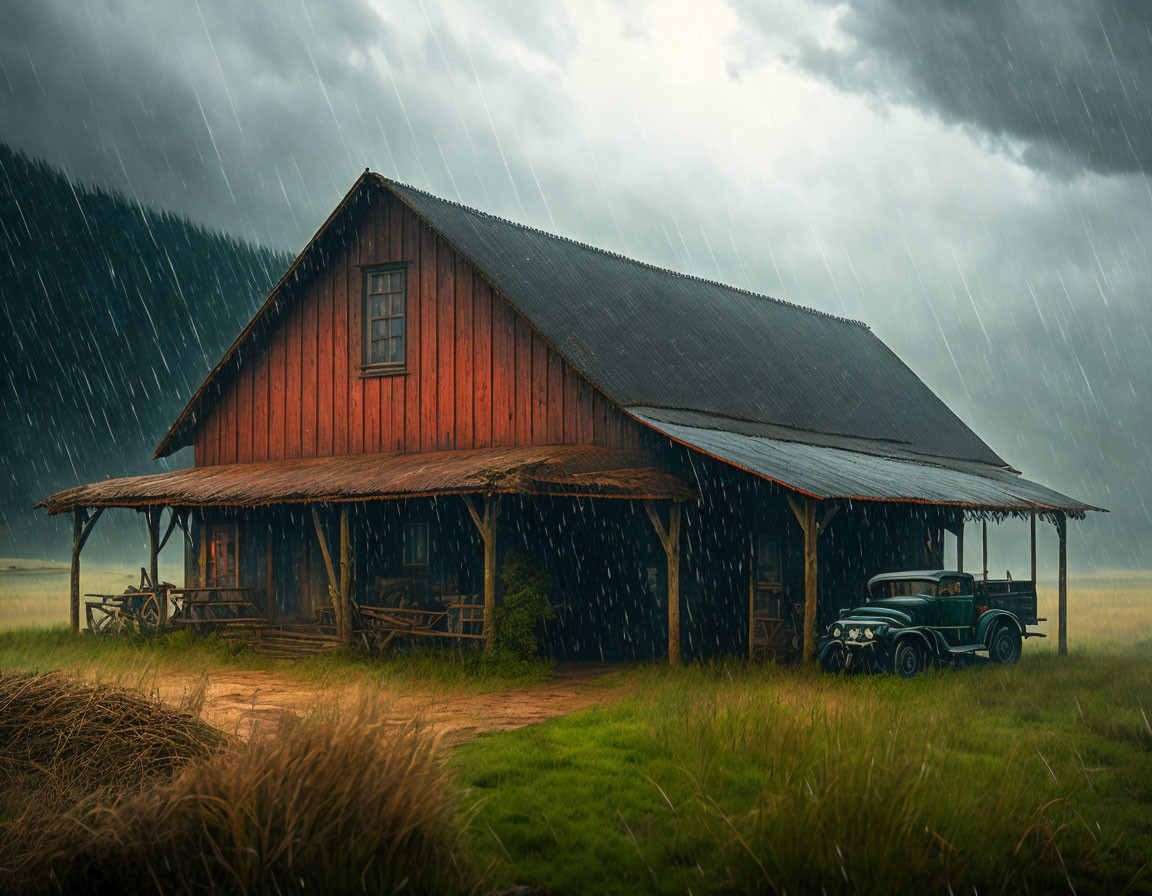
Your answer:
<point x="730" y="779"/>
<point x="121" y="656"/>
<point x="45" y="650"/>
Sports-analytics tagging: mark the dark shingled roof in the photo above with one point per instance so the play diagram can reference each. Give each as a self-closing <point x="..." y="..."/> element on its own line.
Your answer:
<point x="653" y="337"/>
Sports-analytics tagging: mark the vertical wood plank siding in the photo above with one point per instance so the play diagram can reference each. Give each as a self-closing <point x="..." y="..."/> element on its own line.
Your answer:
<point x="477" y="375"/>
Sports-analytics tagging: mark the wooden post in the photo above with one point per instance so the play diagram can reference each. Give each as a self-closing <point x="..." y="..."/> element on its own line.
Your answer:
<point x="984" y="546"/>
<point x="804" y="507"/>
<point x="152" y="517"/>
<point x="82" y="525"/>
<point x="670" y="539"/>
<point x="752" y="607"/>
<point x="79" y="518"/>
<point x="202" y="551"/>
<point x="1062" y="593"/>
<point x="960" y="547"/>
<point x="346" y="573"/>
<point x="333" y="582"/>
<point x="1032" y="526"/>
<point x="486" y="522"/>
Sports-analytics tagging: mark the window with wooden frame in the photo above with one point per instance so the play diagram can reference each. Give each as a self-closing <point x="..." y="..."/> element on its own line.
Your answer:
<point x="415" y="543"/>
<point x="223" y="556"/>
<point x="384" y="323"/>
<point x="767" y="561"/>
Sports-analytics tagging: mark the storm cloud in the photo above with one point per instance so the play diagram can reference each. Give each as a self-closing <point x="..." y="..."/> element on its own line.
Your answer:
<point x="1061" y="84"/>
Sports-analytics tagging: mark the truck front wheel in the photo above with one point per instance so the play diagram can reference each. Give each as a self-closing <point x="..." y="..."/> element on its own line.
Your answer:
<point x="833" y="658"/>
<point x="1004" y="647"/>
<point x="907" y="659"/>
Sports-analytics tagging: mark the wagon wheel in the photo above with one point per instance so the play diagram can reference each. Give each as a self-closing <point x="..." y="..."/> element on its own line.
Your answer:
<point x="99" y="625"/>
<point x="150" y="614"/>
<point x="116" y="623"/>
<point x="397" y="594"/>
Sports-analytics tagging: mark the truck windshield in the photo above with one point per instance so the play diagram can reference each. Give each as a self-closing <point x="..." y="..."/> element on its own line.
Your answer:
<point x="905" y="588"/>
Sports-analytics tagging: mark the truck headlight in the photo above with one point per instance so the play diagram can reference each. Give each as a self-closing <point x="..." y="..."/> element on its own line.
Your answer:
<point x="837" y="631"/>
<point x="853" y="633"/>
<point x="869" y="634"/>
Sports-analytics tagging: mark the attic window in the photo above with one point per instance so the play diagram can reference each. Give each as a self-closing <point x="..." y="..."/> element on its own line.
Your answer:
<point x="385" y="333"/>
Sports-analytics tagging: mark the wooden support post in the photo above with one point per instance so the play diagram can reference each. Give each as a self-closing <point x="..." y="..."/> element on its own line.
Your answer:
<point x="1032" y="526"/>
<point x="202" y="559"/>
<point x="960" y="547"/>
<point x="984" y="546"/>
<point x="82" y="525"/>
<point x="804" y="507"/>
<point x="79" y="518"/>
<point x="1062" y="585"/>
<point x="486" y="522"/>
<point x="346" y="573"/>
<point x="333" y="582"/>
<point x="152" y="517"/>
<point x="752" y="606"/>
<point x="670" y="539"/>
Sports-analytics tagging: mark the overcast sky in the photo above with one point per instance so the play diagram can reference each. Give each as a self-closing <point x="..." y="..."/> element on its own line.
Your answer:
<point x="972" y="180"/>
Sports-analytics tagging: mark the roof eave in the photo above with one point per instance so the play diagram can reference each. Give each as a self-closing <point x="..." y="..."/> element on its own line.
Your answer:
<point x="176" y="437"/>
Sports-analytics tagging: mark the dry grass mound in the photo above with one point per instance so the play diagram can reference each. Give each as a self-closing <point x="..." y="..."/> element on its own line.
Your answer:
<point x="334" y="806"/>
<point x="62" y="738"/>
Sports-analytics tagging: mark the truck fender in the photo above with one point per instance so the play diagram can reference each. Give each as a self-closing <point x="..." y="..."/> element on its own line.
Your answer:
<point x="931" y="650"/>
<point x="992" y="618"/>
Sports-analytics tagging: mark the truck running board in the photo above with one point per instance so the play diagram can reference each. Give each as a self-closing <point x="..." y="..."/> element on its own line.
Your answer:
<point x="967" y="648"/>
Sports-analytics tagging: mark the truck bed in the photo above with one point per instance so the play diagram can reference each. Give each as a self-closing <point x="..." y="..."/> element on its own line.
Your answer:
<point x="1017" y="597"/>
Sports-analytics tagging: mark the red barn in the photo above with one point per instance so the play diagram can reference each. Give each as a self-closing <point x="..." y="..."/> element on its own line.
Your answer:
<point x="429" y="387"/>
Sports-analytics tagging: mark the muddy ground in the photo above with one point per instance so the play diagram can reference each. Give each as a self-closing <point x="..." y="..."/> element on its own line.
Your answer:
<point x="262" y="702"/>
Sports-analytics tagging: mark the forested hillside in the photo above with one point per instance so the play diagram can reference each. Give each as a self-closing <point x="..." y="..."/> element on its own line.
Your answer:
<point x="111" y="316"/>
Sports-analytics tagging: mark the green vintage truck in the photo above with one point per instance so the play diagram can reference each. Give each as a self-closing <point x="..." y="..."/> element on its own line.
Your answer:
<point x="930" y="617"/>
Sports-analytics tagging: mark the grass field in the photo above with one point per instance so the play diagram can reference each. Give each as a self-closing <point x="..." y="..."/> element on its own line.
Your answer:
<point x="34" y="593"/>
<point x="1035" y="779"/>
<point x="758" y="779"/>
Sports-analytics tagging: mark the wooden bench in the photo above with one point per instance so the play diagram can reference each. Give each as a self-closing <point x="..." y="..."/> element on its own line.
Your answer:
<point x="459" y="620"/>
<point x="207" y="607"/>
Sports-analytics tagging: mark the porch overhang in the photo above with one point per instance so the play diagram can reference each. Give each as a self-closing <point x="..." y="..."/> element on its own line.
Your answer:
<point x="560" y="470"/>
<point x="864" y="472"/>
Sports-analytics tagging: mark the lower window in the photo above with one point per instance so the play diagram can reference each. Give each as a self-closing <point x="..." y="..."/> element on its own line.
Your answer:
<point x="223" y="555"/>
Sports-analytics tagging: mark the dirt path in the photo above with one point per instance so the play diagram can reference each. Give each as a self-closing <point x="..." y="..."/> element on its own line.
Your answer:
<point x="260" y="702"/>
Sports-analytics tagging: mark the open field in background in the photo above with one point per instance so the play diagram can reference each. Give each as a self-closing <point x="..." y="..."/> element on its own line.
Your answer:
<point x="1105" y="607"/>
<point x="1109" y="607"/>
<point x="34" y="593"/>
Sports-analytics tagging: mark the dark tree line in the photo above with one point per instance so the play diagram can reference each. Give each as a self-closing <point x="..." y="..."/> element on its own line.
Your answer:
<point x="112" y="315"/>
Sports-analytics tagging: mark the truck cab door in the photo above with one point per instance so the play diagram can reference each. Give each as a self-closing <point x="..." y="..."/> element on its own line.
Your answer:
<point x="957" y="610"/>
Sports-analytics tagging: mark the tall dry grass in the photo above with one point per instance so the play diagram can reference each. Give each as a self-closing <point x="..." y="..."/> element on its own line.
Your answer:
<point x="342" y="804"/>
<point x="850" y="791"/>
<point x="62" y="738"/>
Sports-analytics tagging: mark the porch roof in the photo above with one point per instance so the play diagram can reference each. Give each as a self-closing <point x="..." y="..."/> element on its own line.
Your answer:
<point x="870" y="472"/>
<point x="572" y="470"/>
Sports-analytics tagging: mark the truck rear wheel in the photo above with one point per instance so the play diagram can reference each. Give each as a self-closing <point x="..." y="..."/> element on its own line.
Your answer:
<point x="1004" y="646"/>
<point x="907" y="659"/>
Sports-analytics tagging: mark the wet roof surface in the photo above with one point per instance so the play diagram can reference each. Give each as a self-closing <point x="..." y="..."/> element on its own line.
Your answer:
<point x="650" y="336"/>
<point x="827" y="472"/>
<point x="550" y="470"/>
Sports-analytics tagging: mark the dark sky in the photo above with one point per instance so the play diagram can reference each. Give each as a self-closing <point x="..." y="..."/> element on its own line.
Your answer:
<point x="973" y="180"/>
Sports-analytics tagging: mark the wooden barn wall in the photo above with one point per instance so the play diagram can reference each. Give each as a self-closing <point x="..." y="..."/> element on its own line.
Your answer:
<point x="477" y="375"/>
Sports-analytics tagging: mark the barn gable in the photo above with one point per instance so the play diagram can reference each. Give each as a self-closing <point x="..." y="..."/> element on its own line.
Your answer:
<point x="476" y="375"/>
